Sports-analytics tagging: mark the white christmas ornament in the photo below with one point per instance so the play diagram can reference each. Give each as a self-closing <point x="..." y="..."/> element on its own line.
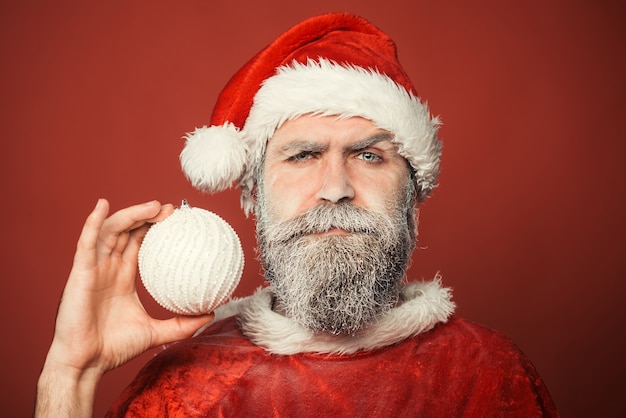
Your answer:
<point x="191" y="262"/>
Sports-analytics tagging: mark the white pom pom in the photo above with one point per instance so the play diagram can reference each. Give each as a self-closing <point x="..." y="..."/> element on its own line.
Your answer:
<point x="214" y="157"/>
<point x="191" y="262"/>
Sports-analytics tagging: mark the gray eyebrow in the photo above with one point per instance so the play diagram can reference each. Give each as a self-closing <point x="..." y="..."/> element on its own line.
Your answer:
<point x="368" y="142"/>
<point x="311" y="146"/>
<point x="304" y="146"/>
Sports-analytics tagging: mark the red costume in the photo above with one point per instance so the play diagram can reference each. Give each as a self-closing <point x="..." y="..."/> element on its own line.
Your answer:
<point x="450" y="368"/>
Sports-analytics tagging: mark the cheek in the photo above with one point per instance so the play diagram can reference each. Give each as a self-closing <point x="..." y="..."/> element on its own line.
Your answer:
<point x="378" y="192"/>
<point x="289" y="194"/>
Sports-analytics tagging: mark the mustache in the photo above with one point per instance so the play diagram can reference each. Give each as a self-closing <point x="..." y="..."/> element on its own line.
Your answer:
<point x="324" y="217"/>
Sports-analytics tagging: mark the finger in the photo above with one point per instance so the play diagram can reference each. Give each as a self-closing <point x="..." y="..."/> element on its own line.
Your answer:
<point x="166" y="210"/>
<point x="122" y="241"/>
<point x="137" y="235"/>
<point x="178" y="328"/>
<point x="135" y="238"/>
<point x="138" y="231"/>
<point x="87" y="242"/>
<point x="126" y="220"/>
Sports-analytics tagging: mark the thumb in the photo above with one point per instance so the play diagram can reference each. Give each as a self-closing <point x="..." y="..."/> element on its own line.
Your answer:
<point x="178" y="328"/>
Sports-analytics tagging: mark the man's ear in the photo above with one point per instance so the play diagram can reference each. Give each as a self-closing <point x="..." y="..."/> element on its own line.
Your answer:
<point x="253" y="193"/>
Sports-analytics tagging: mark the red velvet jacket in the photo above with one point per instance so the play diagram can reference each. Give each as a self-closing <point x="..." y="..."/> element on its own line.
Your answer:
<point x="454" y="369"/>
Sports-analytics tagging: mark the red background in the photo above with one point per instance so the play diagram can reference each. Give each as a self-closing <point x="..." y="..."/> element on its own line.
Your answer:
<point x="527" y="225"/>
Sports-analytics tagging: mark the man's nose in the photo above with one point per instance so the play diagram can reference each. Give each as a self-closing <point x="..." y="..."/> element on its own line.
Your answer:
<point x="335" y="182"/>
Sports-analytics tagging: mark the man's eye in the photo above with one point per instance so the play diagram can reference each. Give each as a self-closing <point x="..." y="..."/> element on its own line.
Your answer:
<point x="301" y="156"/>
<point x="369" y="157"/>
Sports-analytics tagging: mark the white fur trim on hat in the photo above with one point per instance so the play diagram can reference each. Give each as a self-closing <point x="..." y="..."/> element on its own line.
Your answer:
<point x="214" y="157"/>
<point x="327" y="88"/>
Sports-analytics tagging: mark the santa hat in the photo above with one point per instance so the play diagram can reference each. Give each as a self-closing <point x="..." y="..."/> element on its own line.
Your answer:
<point x="333" y="64"/>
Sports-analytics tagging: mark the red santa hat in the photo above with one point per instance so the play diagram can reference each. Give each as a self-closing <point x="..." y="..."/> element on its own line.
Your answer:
<point x="333" y="64"/>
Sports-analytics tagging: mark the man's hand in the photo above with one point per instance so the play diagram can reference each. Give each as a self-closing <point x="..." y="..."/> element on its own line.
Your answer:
<point x="101" y="323"/>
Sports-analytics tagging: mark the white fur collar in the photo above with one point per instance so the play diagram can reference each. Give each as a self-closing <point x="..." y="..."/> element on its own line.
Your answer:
<point x="424" y="305"/>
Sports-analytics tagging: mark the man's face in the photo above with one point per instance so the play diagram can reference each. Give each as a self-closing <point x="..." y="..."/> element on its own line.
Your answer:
<point x="334" y="221"/>
<point x="311" y="160"/>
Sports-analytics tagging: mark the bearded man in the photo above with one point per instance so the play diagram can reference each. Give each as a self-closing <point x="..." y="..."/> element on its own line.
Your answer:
<point x="333" y="151"/>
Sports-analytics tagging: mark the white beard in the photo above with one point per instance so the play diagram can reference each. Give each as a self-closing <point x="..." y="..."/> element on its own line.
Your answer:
<point x="337" y="283"/>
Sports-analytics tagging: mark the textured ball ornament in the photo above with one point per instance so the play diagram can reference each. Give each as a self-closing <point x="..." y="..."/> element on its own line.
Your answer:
<point x="191" y="262"/>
